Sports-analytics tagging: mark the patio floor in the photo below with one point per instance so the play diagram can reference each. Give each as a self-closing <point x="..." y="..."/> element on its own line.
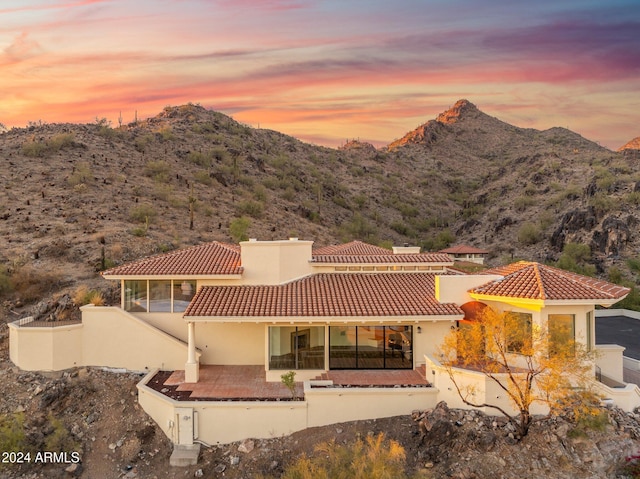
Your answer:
<point x="237" y="383"/>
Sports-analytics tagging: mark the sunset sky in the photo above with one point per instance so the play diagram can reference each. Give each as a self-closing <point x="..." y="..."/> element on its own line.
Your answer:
<point x="326" y="71"/>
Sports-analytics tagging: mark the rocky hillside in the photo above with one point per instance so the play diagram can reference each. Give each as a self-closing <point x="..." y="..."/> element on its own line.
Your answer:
<point x="78" y="198"/>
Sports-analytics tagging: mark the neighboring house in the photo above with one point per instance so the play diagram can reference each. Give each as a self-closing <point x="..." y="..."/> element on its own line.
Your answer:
<point x="351" y="320"/>
<point x="466" y="253"/>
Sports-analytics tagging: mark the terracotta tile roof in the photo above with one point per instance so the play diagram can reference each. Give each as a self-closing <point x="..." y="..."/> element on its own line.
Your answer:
<point x="329" y="294"/>
<point x="463" y="249"/>
<point x="353" y="248"/>
<point x="207" y="259"/>
<point x="357" y="252"/>
<point x="537" y="281"/>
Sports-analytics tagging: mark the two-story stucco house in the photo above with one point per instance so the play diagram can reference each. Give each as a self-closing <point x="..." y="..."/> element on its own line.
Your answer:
<point x="216" y="326"/>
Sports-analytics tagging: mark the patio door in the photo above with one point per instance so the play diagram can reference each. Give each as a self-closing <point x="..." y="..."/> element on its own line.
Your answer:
<point x="371" y="347"/>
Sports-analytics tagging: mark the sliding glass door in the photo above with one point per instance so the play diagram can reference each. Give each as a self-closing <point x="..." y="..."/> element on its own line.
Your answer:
<point x="370" y="347"/>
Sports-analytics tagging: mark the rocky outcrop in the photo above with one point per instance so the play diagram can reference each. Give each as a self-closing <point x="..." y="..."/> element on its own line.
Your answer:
<point x="632" y="145"/>
<point x="613" y="236"/>
<point x="556" y="447"/>
<point x="571" y="222"/>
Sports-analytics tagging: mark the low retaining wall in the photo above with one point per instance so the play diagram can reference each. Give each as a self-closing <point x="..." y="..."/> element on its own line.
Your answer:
<point x="229" y="421"/>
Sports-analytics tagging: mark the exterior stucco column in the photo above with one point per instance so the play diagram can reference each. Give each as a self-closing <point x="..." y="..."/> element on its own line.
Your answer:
<point x="191" y="368"/>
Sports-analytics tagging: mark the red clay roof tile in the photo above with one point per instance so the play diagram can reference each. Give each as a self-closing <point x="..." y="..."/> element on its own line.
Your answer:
<point x="530" y="280"/>
<point x="327" y="294"/>
<point x="208" y="259"/>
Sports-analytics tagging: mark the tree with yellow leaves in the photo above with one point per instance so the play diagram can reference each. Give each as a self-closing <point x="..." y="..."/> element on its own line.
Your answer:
<point x="530" y="363"/>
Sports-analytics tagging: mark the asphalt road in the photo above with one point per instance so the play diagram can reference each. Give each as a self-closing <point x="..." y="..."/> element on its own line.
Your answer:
<point x="620" y="330"/>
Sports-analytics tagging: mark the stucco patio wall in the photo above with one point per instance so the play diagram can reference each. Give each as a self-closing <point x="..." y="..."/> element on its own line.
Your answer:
<point x="485" y="390"/>
<point x="107" y="336"/>
<point x="229" y="421"/>
<point x="331" y="405"/>
<point x="45" y="348"/>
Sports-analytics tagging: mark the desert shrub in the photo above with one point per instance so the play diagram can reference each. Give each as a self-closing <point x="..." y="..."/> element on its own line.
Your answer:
<point x="401" y="228"/>
<point x="142" y="142"/>
<point x="39" y="148"/>
<point x="529" y="233"/>
<point x="162" y="191"/>
<point x="221" y="155"/>
<point x="81" y="174"/>
<point x="5" y="280"/>
<point x="260" y="194"/>
<point x="203" y="177"/>
<point x="251" y="208"/>
<point x="60" y="141"/>
<point x="34" y="149"/>
<point x="60" y="439"/>
<point x="30" y="283"/>
<point x="575" y="258"/>
<point x="602" y="203"/>
<point x="159" y="170"/>
<point x="634" y="264"/>
<point x="83" y="295"/>
<point x="143" y="213"/>
<point x="632" y="198"/>
<point x="12" y="433"/>
<point x="238" y="229"/>
<point x="371" y="458"/>
<point x="441" y="240"/>
<point x="166" y="133"/>
<point x="523" y="202"/>
<point x="200" y="158"/>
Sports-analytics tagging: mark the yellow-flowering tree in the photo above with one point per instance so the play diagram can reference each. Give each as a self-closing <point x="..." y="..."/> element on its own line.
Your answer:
<point x="531" y="364"/>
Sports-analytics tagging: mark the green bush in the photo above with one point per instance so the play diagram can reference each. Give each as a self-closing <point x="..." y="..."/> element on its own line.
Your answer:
<point x="238" y="229"/>
<point x="159" y="170"/>
<point x="575" y="257"/>
<point x="251" y="208"/>
<point x="143" y="213"/>
<point x="529" y="233"/>
<point x="200" y="158"/>
<point x="12" y="433"/>
<point x="42" y="148"/>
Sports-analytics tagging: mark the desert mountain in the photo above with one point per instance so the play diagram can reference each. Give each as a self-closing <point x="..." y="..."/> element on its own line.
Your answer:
<point x="78" y="198"/>
<point x="632" y="145"/>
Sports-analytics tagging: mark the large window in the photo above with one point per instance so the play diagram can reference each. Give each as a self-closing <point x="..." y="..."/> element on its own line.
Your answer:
<point x="296" y="347"/>
<point x="135" y="296"/>
<point x="518" y="333"/>
<point x="562" y="333"/>
<point x="160" y="296"/>
<point x="370" y="347"/>
<point x="164" y="296"/>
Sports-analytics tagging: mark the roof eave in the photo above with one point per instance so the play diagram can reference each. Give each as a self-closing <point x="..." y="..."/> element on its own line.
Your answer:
<point x="173" y="276"/>
<point x="325" y="319"/>
<point x="526" y="303"/>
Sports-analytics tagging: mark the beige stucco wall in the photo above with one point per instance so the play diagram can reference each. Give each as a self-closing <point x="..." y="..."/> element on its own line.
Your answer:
<point x="46" y="349"/>
<point x="334" y="405"/>
<point x="485" y="390"/>
<point x="115" y="338"/>
<point x="275" y="262"/>
<point x="108" y="336"/>
<point x="231" y="343"/>
<point x="453" y="288"/>
<point x="610" y="361"/>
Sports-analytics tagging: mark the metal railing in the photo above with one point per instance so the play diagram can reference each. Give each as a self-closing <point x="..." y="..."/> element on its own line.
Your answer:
<point x="29" y="322"/>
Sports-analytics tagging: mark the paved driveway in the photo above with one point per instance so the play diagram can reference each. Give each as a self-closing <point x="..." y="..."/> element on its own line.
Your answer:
<point x="620" y="330"/>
